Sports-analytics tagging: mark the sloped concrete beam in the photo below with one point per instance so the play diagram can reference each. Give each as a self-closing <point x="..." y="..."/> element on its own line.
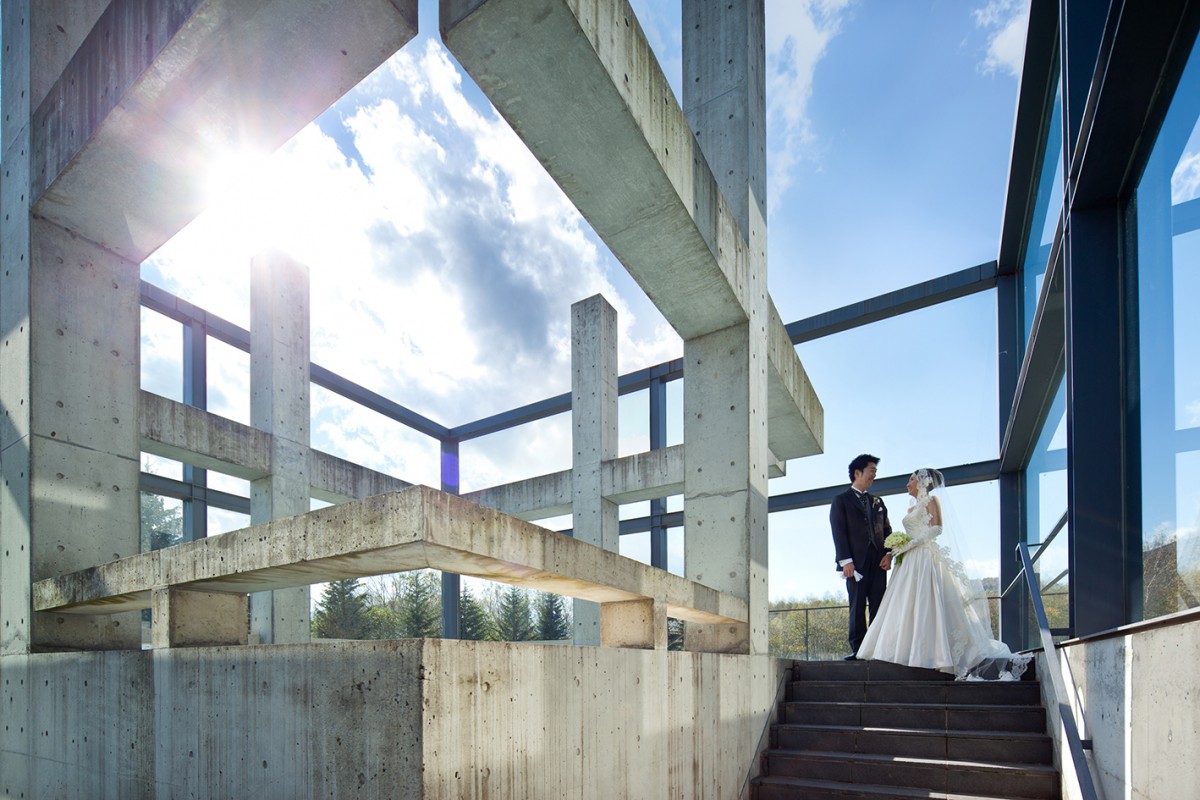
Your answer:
<point x="416" y="528"/>
<point x="158" y="93"/>
<point x="534" y="498"/>
<point x="629" y="162"/>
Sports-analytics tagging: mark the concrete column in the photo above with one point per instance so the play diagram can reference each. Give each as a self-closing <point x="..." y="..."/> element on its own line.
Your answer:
<point x="593" y="438"/>
<point x="279" y="405"/>
<point x="634" y="623"/>
<point x="726" y="371"/>
<point x="15" y="355"/>
<point x="186" y="618"/>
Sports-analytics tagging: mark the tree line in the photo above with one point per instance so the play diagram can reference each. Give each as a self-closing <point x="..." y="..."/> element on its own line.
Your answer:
<point x="409" y="605"/>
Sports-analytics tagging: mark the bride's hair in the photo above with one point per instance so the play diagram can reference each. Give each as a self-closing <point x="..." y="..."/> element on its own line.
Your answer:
<point x="929" y="479"/>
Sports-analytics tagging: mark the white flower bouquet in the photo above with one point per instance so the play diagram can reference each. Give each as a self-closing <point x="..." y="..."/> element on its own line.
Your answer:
<point x="898" y="541"/>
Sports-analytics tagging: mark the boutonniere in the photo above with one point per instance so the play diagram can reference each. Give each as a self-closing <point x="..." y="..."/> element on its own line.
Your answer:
<point x="876" y="503"/>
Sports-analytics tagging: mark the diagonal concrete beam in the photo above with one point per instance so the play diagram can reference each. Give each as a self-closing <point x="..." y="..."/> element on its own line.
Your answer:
<point x="415" y="528"/>
<point x="580" y="85"/>
<point x="158" y="92"/>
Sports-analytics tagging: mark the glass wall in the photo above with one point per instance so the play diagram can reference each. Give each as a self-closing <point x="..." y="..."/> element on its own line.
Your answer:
<point x="1046" y="213"/>
<point x="1046" y="509"/>
<point x="1168" y="253"/>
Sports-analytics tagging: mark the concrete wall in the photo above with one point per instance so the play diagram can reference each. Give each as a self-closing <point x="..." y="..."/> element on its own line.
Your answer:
<point x="1141" y="704"/>
<point x="393" y="719"/>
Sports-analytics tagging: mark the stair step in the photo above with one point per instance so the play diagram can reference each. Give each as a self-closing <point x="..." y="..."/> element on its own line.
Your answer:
<point x="876" y="671"/>
<point x="775" y="787"/>
<point x="996" y="778"/>
<point x="933" y="716"/>
<point x="965" y="692"/>
<point x="985" y="745"/>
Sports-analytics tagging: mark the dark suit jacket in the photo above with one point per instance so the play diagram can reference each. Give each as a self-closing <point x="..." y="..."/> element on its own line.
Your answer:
<point x="851" y="530"/>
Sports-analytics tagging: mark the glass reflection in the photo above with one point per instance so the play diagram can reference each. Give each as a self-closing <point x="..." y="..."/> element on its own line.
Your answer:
<point x="1046" y="212"/>
<point x="1168" y="231"/>
<point x="1046" y="507"/>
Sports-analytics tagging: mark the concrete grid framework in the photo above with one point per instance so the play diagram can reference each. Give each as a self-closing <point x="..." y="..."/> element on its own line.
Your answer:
<point x="112" y="110"/>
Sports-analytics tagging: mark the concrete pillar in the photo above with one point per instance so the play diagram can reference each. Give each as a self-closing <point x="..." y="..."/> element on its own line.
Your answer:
<point x="634" y="623"/>
<point x="69" y="376"/>
<point x="15" y="354"/>
<point x="186" y="618"/>
<point x="279" y="405"/>
<point x="726" y="371"/>
<point x="593" y="438"/>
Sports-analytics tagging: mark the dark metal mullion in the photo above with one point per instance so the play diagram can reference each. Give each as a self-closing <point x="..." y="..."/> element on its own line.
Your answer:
<point x="658" y="440"/>
<point x="451" y="583"/>
<point x="169" y="487"/>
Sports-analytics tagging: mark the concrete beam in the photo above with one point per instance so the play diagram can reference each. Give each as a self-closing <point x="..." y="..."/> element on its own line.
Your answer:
<point x="644" y="476"/>
<point x="416" y="528"/>
<point x="534" y="498"/>
<point x="628" y="160"/>
<point x="158" y="93"/>
<point x="185" y="433"/>
<point x="336" y="480"/>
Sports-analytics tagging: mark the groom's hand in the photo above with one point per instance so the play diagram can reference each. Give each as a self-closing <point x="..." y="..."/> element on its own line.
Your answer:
<point x="848" y="570"/>
<point x="887" y="562"/>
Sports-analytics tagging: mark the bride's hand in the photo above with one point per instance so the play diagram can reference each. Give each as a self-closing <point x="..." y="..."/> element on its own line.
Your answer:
<point x="887" y="562"/>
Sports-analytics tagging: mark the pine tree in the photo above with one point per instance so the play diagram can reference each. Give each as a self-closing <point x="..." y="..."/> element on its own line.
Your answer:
<point x="553" y="621"/>
<point x="419" y="607"/>
<point x="162" y="525"/>
<point x="674" y="633"/>
<point x="474" y="620"/>
<point x="342" y="612"/>
<point x="513" y="621"/>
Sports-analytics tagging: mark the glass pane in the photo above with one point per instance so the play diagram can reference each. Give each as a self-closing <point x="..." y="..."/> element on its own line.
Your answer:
<point x="1168" y="230"/>
<point x="1046" y="212"/>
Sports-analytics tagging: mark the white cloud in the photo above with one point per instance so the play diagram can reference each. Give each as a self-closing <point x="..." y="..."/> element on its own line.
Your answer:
<point x="798" y="33"/>
<point x="1185" y="181"/>
<point x="443" y="264"/>
<point x="1005" y="22"/>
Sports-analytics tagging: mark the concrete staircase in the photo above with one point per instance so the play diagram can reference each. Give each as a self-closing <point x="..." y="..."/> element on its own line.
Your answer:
<point x="870" y="730"/>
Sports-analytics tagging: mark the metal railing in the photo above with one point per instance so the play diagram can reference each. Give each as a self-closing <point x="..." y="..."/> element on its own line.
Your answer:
<point x="1077" y="745"/>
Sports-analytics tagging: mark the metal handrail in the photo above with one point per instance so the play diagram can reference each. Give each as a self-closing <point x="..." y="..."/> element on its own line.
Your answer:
<point x="1088" y="789"/>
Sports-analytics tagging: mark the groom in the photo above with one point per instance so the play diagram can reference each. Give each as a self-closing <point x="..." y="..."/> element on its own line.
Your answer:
<point x="860" y="524"/>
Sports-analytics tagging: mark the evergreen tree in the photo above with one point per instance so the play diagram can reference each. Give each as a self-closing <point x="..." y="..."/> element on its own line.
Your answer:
<point x="513" y="621"/>
<point x="162" y="524"/>
<point x="342" y="612"/>
<point x="418" y="604"/>
<point x="474" y="621"/>
<point x="674" y="633"/>
<point x="553" y="621"/>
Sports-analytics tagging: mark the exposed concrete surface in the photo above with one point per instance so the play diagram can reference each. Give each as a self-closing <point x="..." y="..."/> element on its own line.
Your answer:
<point x="280" y="406"/>
<point x="1138" y="693"/>
<point x="626" y="158"/>
<point x="185" y="433"/>
<point x="415" y="528"/>
<point x="157" y="93"/>
<point x="391" y="719"/>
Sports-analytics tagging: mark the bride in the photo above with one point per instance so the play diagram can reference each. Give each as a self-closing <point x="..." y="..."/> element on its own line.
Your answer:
<point x="933" y="615"/>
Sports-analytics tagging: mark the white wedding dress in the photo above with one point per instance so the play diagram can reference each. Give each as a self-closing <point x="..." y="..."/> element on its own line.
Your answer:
<point x="934" y="616"/>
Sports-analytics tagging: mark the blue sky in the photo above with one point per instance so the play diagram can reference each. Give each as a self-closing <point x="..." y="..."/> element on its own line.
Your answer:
<point x="444" y="261"/>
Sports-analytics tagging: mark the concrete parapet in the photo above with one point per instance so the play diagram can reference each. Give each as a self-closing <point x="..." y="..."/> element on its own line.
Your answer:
<point x="423" y="719"/>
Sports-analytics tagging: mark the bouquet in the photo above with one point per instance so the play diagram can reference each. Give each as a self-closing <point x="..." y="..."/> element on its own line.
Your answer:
<point x="896" y="541"/>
